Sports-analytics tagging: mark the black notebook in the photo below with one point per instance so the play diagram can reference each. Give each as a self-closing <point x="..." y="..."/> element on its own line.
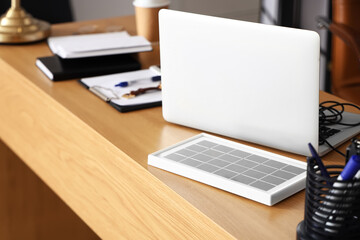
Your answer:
<point x="56" y="68"/>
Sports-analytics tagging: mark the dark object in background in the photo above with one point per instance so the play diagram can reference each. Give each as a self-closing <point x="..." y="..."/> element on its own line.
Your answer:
<point x="353" y="148"/>
<point x="345" y="72"/>
<point x="56" y="68"/>
<point x="331" y="212"/>
<point x="50" y="11"/>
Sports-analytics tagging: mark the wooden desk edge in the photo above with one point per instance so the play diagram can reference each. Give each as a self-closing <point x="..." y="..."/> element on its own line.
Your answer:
<point x="114" y="195"/>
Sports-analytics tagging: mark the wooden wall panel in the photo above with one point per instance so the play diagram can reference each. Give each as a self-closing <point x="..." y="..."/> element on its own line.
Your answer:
<point x="29" y="209"/>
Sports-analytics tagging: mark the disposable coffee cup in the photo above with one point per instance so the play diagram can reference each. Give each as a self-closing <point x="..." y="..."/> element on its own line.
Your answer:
<point x="146" y="14"/>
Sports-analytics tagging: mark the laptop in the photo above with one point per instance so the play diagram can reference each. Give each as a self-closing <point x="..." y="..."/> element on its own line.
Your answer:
<point x="248" y="81"/>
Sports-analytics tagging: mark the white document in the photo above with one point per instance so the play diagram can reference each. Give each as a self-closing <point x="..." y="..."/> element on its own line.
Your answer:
<point x="105" y="85"/>
<point x="97" y="44"/>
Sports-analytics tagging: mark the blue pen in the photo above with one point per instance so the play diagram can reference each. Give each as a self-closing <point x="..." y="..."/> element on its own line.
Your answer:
<point x="125" y="83"/>
<point x="323" y="170"/>
<point x="337" y="194"/>
<point x="351" y="168"/>
<point x="350" y="171"/>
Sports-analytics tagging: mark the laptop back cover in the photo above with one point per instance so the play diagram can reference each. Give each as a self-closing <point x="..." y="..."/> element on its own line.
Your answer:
<point x="249" y="81"/>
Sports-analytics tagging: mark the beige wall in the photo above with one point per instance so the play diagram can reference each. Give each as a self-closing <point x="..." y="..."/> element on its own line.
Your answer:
<point x="236" y="9"/>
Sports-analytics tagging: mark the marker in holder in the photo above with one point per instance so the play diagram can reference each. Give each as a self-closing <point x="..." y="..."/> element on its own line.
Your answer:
<point x="332" y="206"/>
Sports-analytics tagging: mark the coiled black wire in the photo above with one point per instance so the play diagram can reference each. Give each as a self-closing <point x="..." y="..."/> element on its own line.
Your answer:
<point x="330" y="113"/>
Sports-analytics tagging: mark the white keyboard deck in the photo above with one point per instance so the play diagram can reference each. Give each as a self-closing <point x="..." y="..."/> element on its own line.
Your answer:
<point x="249" y="172"/>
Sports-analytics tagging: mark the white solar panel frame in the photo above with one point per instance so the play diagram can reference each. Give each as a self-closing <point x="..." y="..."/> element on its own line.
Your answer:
<point x="270" y="197"/>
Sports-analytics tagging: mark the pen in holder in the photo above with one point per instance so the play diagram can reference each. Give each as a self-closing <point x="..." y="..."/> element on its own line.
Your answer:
<point x="332" y="206"/>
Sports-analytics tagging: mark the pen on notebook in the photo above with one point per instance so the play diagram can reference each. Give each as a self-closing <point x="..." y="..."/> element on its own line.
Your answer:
<point x="323" y="170"/>
<point x="127" y="83"/>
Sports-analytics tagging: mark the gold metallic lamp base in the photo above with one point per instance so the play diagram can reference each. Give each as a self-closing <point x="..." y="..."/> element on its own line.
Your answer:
<point x="17" y="26"/>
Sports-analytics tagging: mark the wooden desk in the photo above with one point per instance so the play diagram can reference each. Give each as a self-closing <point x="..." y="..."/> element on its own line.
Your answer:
<point x="95" y="159"/>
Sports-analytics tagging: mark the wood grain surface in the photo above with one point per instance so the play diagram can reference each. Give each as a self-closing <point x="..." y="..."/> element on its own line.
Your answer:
<point x="112" y="193"/>
<point x="95" y="158"/>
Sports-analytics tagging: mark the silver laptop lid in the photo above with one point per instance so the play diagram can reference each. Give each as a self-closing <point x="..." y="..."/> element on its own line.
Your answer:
<point x="249" y="81"/>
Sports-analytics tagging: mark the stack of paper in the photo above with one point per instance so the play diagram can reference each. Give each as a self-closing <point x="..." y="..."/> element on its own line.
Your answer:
<point x="98" y="44"/>
<point x="89" y="55"/>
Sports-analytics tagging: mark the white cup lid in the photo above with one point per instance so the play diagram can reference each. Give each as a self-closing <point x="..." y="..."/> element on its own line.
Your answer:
<point x="151" y="3"/>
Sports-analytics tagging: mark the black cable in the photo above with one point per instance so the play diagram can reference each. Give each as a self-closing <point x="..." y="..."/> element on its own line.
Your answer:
<point x="335" y="116"/>
<point x="329" y="114"/>
<point x="333" y="148"/>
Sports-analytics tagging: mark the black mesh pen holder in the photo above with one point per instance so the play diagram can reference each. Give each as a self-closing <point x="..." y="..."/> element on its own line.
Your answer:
<point x="332" y="207"/>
